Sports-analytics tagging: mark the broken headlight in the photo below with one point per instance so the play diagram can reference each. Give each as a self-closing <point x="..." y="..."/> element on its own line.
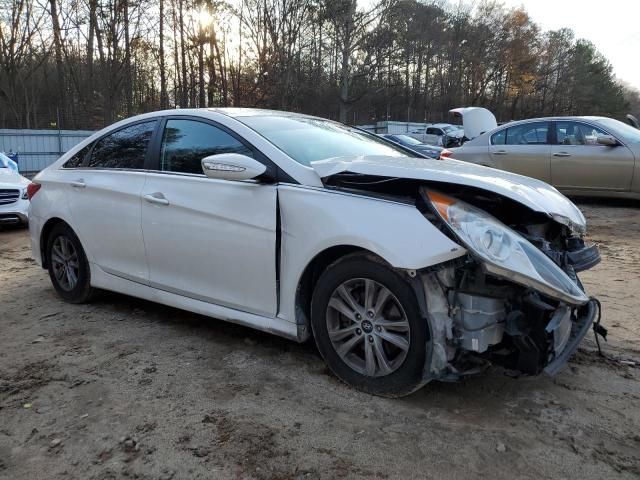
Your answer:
<point x="504" y="252"/>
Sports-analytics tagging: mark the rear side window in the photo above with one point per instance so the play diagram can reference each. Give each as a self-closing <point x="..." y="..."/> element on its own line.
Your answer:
<point x="77" y="159"/>
<point x="534" y="133"/>
<point x="125" y="148"/>
<point x="186" y="142"/>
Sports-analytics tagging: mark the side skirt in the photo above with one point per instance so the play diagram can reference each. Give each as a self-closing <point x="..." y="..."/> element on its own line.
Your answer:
<point x="276" y="326"/>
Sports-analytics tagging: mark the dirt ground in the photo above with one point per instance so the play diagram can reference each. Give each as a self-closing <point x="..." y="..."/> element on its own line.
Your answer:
<point x="124" y="388"/>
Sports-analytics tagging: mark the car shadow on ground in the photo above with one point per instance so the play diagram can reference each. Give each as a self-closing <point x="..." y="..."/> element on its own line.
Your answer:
<point x="491" y="388"/>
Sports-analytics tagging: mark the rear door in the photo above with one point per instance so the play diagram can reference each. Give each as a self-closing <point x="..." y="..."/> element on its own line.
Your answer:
<point x="578" y="162"/>
<point x="104" y="200"/>
<point x="524" y="149"/>
<point x="209" y="239"/>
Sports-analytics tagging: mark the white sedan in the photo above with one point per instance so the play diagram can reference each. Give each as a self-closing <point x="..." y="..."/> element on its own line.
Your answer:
<point x="403" y="270"/>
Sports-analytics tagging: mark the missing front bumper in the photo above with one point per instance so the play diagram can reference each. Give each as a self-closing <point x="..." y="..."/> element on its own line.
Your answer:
<point x="579" y="328"/>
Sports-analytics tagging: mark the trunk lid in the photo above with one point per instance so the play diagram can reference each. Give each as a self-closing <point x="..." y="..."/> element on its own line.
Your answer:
<point x="475" y="120"/>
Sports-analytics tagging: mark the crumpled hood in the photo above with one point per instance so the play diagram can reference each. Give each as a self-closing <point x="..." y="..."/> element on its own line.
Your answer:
<point x="532" y="193"/>
<point x="11" y="179"/>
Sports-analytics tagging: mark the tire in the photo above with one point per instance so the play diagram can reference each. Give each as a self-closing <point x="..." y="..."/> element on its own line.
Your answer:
<point x="400" y="372"/>
<point x="64" y="248"/>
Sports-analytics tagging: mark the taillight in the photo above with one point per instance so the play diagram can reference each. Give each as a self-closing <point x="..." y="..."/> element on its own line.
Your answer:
<point x="445" y="154"/>
<point x="32" y="189"/>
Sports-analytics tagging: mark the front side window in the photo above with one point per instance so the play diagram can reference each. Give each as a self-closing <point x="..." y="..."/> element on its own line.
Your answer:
<point x="306" y="139"/>
<point x="186" y="142"/>
<point x="125" y="148"/>
<point x="77" y="159"/>
<point x="534" y="133"/>
<point x="574" y="133"/>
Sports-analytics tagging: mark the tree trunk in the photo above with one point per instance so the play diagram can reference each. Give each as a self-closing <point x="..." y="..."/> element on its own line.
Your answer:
<point x="128" y="82"/>
<point x="184" y="101"/>
<point x="345" y="66"/>
<point x="57" y="44"/>
<point x="164" y="101"/>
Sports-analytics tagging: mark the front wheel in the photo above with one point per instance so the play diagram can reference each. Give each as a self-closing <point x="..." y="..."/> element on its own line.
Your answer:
<point x="68" y="265"/>
<point x="368" y="327"/>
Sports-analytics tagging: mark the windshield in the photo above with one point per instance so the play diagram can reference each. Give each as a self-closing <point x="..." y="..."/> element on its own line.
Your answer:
<point x="307" y="140"/>
<point x="408" y="140"/>
<point x="627" y="132"/>
<point x="448" y="129"/>
<point x="6" y="162"/>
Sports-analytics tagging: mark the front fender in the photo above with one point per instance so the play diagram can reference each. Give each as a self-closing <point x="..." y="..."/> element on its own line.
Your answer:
<point x="314" y="220"/>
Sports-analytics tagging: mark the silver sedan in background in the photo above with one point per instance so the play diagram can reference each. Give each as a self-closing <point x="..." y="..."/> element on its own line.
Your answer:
<point x="594" y="156"/>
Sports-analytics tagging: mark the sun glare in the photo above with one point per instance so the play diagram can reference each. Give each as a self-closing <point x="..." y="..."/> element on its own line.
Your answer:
<point x="204" y="17"/>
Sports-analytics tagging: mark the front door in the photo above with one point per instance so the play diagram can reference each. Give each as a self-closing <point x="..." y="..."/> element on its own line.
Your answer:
<point x="578" y="162"/>
<point x="208" y="239"/>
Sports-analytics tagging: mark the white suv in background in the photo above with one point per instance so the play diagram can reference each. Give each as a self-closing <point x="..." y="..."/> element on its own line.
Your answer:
<point x="14" y="204"/>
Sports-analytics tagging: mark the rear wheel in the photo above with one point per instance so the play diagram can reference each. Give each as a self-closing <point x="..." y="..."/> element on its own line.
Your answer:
<point x="368" y="327"/>
<point x="68" y="265"/>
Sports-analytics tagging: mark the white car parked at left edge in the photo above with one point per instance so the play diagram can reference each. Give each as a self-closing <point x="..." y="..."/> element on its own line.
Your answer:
<point x="14" y="201"/>
<point x="403" y="270"/>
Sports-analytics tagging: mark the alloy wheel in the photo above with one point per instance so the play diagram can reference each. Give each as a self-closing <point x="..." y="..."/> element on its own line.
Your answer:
<point x="368" y="327"/>
<point x="65" y="263"/>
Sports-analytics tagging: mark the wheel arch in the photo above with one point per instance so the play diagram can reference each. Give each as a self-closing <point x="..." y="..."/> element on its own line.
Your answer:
<point x="311" y="273"/>
<point x="44" y="237"/>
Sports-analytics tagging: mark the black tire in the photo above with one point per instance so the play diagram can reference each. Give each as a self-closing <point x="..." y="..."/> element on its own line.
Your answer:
<point x="82" y="291"/>
<point x="408" y="376"/>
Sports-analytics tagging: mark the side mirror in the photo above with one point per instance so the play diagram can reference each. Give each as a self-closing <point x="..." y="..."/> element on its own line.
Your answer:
<point x="232" y="166"/>
<point x="607" y="140"/>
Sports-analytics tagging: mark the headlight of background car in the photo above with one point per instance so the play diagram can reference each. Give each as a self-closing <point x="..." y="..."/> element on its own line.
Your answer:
<point x="504" y="252"/>
<point x="25" y="196"/>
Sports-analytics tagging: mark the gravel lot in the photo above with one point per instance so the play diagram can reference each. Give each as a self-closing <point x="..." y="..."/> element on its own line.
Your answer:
<point x="123" y="388"/>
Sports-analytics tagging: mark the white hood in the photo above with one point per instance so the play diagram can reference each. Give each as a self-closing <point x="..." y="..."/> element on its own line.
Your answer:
<point x="532" y="193"/>
<point x="12" y="179"/>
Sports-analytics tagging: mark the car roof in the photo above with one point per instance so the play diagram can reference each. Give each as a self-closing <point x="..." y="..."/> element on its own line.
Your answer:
<point x="257" y="112"/>
<point x="558" y="118"/>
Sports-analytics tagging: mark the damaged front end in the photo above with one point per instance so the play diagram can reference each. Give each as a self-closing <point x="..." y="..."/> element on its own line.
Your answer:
<point x="515" y="300"/>
<point x="476" y="318"/>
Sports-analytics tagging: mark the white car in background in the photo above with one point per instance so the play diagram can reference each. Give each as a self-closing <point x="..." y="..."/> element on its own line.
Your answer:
<point x="404" y="270"/>
<point x="475" y="121"/>
<point x="14" y="202"/>
<point x="440" y="134"/>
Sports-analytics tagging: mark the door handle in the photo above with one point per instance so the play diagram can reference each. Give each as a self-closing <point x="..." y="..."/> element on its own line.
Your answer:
<point x="561" y="154"/>
<point x="78" y="183"/>
<point x="156" y="198"/>
<point x="500" y="152"/>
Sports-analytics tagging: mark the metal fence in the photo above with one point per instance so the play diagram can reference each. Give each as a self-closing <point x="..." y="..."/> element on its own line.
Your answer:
<point x="37" y="149"/>
<point x="392" y="127"/>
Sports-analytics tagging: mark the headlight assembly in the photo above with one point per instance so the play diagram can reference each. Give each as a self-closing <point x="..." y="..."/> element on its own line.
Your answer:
<point x="504" y="252"/>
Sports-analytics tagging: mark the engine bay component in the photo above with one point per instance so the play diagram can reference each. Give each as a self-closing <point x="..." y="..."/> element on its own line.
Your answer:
<point x="478" y="320"/>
